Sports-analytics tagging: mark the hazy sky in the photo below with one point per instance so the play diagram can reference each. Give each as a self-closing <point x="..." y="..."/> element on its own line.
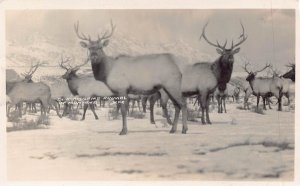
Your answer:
<point x="271" y="33"/>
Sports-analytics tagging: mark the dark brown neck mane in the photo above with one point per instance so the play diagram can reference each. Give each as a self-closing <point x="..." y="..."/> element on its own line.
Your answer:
<point x="223" y="75"/>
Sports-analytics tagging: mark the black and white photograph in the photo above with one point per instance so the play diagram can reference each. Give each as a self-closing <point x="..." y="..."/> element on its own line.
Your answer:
<point x="121" y="94"/>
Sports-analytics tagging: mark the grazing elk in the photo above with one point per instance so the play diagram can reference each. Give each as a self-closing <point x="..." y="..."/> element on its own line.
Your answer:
<point x="264" y="86"/>
<point x="29" y="92"/>
<point x="143" y="75"/>
<point x="28" y="79"/>
<point x="84" y="87"/>
<point x="203" y="78"/>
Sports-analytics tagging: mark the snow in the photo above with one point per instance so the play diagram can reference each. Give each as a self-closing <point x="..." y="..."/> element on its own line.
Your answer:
<point x="239" y="145"/>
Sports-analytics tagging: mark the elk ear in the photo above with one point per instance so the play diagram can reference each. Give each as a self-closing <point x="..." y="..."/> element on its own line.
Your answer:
<point x="236" y="50"/>
<point x="219" y="51"/>
<point x="105" y="43"/>
<point x="83" y="44"/>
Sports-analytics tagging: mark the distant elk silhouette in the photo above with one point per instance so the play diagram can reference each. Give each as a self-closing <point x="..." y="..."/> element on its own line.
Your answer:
<point x="264" y="86"/>
<point x="29" y="92"/>
<point x="284" y="83"/>
<point x="28" y="78"/>
<point x="83" y="87"/>
<point x="144" y="74"/>
<point x="230" y="91"/>
<point x="203" y="78"/>
<point x="291" y="73"/>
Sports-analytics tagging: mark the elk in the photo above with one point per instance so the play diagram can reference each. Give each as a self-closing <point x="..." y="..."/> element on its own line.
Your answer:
<point x="143" y="75"/>
<point x="203" y="78"/>
<point x="28" y="79"/>
<point x="291" y="73"/>
<point x="29" y="92"/>
<point x="230" y="91"/>
<point x="264" y="86"/>
<point x="285" y="84"/>
<point x="83" y="87"/>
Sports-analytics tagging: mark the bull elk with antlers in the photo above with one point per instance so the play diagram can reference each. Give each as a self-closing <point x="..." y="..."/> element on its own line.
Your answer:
<point x="83" y="86"/>
<point x="264" y="86"/>
<point x="143" y="75"/>
<point x="203" y="78"/>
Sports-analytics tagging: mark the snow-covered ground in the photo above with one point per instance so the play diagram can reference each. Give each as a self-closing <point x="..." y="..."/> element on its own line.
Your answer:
<point x="239" y="145"/>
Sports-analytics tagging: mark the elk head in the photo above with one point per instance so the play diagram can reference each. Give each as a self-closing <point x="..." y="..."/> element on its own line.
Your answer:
<point x="95" y="47"/>
<point x="251" y="74"/>
<point x="28" y="75"/>
<point x="226" y="59"/>
<point x="70" y="71"/>
<point x="291" y="73"/>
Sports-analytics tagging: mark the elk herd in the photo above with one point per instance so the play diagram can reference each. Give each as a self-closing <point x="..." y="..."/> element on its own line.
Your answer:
<point x="153" y="77"/>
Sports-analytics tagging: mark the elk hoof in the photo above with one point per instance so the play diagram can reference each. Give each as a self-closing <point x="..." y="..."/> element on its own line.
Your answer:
<point x="184" y="131"/>
<point x="209" y="122"/>
<point x="172" y="131"/>
<point x="96" y="118"/>
<point x="82" y="119"/>
<point x="153" y="122"/>
<point x="123" y="132"/>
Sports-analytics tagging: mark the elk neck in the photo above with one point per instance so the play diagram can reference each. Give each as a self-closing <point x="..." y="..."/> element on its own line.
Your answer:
<point x="73" y="84"/>
<point x="101" y="66"/>
<point x="222" y="73"/>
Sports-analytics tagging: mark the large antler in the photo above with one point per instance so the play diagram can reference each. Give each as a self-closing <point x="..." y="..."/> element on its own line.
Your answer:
<point x="107" y="35"/>
<point x="82" y="36"/>
<point x="209" y="42"/>
<point x="245" y="67"/>
<point x="32" y="69"/>
<point x="267" y="66"/>
<point x="61" y="64"/>
<point x="243" y="38"/>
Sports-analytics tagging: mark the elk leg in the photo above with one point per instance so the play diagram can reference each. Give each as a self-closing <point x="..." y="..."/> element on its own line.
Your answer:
<point x="257" y="102"/>
<point x="124" y="111"/>
<point x="19" y="106"/>
<point x="174" y="92"/>
<point x="132" y="106"/>
<point x="34" y="107"/>
<point x="152" y="103"/>
<point x="264" y="102"/>
<point x="26" y="107"/>
<point x="207" y="109"/>
<point x="224" y="102"/>
<point x="203" y="104"/>
<point x="164" y="103"/>
<point x="56" y="106"/>
<point x="279" y="103"/>
<point x="84" y="111"/>
<point x="144" y="103"/>
<point x="139" y="105"/>
<point x="117" y="109"/>
<point x="92" y="106"/>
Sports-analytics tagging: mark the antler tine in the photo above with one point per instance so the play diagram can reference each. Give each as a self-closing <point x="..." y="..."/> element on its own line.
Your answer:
<point x="243" y="36"/>
<point x="82" y="36"/>
<point x="267" y="65"/>
<point x="245" y="67"/>
<point x="84" y="63"/>
<point x="107" y="35"/>
<point x="61" y="64"/>
<point x="204" y="36"/>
